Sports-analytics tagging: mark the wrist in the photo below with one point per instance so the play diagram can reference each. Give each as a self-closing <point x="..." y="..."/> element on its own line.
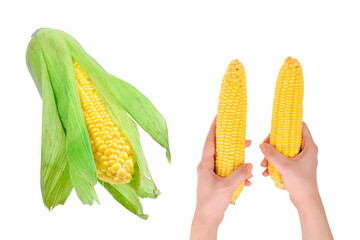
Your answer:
<point x="204" y="225"/>
<point x="308" y="202"/>
<point x="207" y="217"/>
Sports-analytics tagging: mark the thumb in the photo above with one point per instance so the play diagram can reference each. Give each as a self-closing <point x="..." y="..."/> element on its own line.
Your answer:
<point x="275" y="157"/>
<point x="239" y="175"/>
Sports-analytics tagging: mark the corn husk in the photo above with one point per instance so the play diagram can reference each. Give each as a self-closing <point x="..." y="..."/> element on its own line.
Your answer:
<point x="67" y="158"/>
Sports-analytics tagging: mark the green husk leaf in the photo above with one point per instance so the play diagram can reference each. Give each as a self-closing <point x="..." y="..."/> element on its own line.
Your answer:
<point x="142" y="111"/>
<point x="127" y="197"/>
<point x="55" y="179"/>
<point x="132" y="100"/>
<point x="59" y="64"/>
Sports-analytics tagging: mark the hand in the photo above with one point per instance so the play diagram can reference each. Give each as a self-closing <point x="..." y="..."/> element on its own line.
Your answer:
<point x="298" y="173"/>
<point x="214" y="193"/>
<point x="299" y="176"/>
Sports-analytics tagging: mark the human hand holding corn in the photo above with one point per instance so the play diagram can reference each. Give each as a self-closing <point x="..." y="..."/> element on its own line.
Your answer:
<point x="214" y="193"/>
<point x="299" y="177"/>
<point x="298" y="173"/>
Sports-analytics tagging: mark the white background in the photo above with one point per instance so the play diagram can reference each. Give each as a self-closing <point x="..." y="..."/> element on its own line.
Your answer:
<point x="176" y="54"/>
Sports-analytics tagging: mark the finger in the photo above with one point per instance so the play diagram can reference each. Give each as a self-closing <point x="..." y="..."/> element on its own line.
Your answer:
<point x="274" y="156"/>
<point x="306" y="134"/>
<point x="264" y="163"/>
<point x="266" y="172"/>
<point x="267" y="139"/>
<point x="250" y="176"/>
<point x="307" y="139"/>
<point x="247" y="143"/>
<point x="247" y="183"/>
<point x="238" y="175"/>
<point x="208" y="156"/>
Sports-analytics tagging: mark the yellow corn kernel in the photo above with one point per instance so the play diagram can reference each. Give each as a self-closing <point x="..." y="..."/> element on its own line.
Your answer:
<point x="121" y="173"/>
<point x="107" y="141"/>
<point x="286" y="124"/>
<point x="231" y="123"/>
<point x="103" y="159"/>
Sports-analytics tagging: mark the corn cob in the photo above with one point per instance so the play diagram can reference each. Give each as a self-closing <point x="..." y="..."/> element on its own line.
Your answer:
<point x="113" y="154"/>
<point x="231" y="123"/>
<point x="89" y="131"/>
<point x="286" y="124"/>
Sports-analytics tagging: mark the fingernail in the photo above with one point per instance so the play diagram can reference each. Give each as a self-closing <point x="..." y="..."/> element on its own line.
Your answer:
<point x="263" y="147"/>
<point x="249" y="166"/>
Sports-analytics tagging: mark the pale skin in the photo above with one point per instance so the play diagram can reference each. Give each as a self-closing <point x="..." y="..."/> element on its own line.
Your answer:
<point x="299" y="175"/>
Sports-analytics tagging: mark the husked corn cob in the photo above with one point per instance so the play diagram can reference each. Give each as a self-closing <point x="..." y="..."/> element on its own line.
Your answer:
<point x="286" y="125"/>
<point x="231" y="123"/>
<point x="113" y="154"/>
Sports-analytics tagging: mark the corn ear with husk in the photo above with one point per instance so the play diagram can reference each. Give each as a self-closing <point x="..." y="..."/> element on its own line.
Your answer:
<point x="72" y="152"/>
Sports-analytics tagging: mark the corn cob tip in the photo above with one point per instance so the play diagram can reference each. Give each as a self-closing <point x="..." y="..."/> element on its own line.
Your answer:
<point x="235" y="64"/>
<point x="280" y="185"/>
<point x="291" y="62"/>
